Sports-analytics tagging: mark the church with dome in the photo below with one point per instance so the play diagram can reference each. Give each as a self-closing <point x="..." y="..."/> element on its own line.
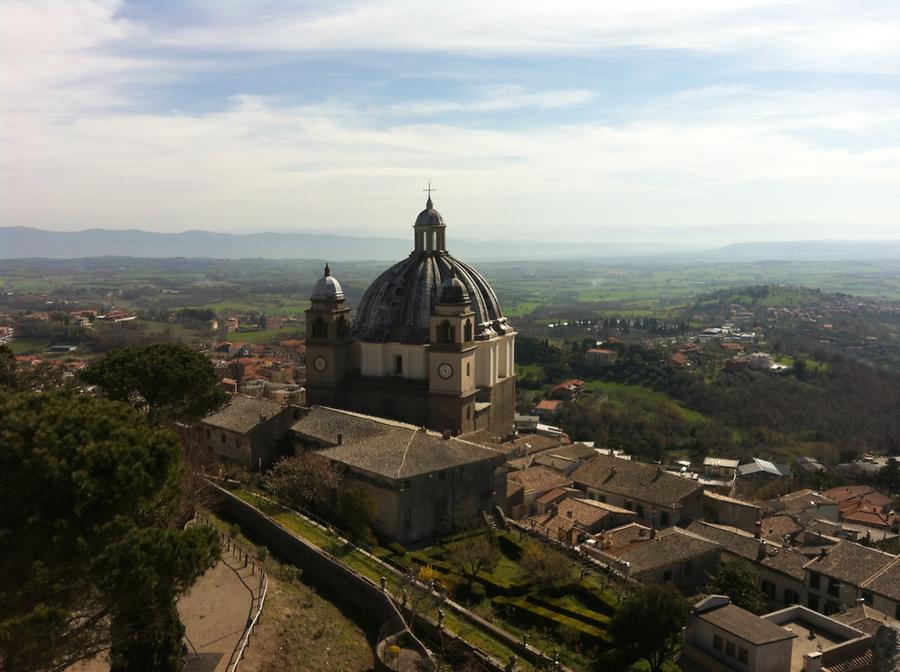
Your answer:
<point x="428" y="344"/>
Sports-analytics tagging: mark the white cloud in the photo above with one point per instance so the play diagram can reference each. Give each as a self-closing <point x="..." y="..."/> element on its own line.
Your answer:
<point x="837" y="35"/>
<point x="78" y="148"/>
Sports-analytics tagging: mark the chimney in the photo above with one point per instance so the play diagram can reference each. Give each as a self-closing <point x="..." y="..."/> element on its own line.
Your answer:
<point x="760" y="549"/>
<point x="340" y="439"/>
<point x="822" y="552"/>
<point x="568" y="513"/>
<point x="757" y="532"/>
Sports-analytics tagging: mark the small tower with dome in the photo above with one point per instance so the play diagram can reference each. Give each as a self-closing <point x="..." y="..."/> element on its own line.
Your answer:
<point x="328" y="339"/>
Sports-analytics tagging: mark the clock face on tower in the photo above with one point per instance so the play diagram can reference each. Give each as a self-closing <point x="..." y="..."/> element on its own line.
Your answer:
<point x="320" y="363"/>
<point x="445" y="371"/>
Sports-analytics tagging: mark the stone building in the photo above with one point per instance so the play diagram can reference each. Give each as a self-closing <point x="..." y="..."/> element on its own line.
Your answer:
<point x="429" y="344"/>
<point x="423" y="484"/>
<point x="247" y="431"/>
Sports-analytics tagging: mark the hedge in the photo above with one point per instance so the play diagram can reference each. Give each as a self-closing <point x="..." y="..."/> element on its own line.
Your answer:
<point x="585" y="615"/>
<point x="545" y="618"/>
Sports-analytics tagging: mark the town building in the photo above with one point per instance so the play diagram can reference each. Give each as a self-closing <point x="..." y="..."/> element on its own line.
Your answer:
<point x="659" y="499"/>
<point x="428" y="345"/>
<point x="780" y="568"/>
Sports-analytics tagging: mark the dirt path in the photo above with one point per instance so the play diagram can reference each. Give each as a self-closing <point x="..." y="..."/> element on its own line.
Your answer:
<point x="215" y="612"/>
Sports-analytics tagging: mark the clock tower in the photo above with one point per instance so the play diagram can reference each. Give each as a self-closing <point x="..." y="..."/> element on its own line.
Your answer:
<point x="328" y="359"/>
<point x="451" y="360"/>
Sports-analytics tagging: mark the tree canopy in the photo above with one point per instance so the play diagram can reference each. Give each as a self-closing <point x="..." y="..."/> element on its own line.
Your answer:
<point x="739" y="580"/>
<point x="306" y="480"/>
<point x="546" y="567"/>
<point x="170" y="382"/>
<point x="647" y="626"/>
<point x="87" y="560"/>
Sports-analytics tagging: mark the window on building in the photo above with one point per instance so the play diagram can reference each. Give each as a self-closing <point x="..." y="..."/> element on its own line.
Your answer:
<point x="667" y="576"/>
<point x="445" y="332"/>
<point x="867" y="597"/>
<point x="814" y="580"/>
<point x="791" y="596"/>
<point x="831" y="608"/>
<point x="664" y="518"/>
<point x="768" y="589"/>
<point x="223" y="438"/>
<point x="341" y="326"/>
<point x="729" y="649"/>
<point x="689" y="567"/>
<point x="813" y="602"/>
<point x="640" y="510"/>
<point x="742" y="655"/>
<point x="717" y="643"/>
<point x="407" y="517"/>
<point x="467" y="330"/>
<point x="398" y="365"/>
<point x="468" y="368"/>
<point x="601" y="498"/>
<point x="834" y="587"/>
<point x="897" y="611"/>
<point x="319" y="328"/>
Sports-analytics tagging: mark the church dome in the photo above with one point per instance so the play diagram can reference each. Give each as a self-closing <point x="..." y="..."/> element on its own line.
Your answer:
<point x="328" y="288"/>
<point x="397" y="305"/>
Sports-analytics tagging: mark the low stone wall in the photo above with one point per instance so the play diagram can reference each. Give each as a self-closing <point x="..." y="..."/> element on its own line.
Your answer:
<point x="372" y="605"/>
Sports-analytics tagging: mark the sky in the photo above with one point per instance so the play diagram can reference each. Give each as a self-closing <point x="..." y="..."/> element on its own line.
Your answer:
<point x="691" y="123"/>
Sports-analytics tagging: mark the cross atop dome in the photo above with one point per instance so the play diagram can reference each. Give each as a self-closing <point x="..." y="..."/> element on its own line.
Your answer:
<point x="428" y="203"/>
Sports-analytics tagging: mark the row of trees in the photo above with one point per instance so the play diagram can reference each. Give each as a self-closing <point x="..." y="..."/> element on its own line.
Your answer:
<point x="93" y="551"/>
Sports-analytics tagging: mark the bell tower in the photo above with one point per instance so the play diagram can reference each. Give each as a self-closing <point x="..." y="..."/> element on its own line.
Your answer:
<point x="451" y="360"/>
<point x="327" y="342"/>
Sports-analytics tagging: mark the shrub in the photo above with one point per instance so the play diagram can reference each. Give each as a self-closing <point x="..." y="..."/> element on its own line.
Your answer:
<point x="533" y="614"/>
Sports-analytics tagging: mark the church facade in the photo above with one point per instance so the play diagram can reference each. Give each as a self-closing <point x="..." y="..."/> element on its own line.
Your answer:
<point x="429" y="344"/>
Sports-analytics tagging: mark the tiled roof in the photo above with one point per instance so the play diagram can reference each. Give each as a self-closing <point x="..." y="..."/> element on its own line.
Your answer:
<point x="865" y="618"/>
<point x="402" y="452"/>
<point x="801" y="500"/>
<point x="851" y="563"/>
<point x="242" y="414"/>
<point x="843" y="492"/>
<point x="670" y="546"/>
<point x="787" y="561"/>
<point x="625" y="534"/>
<point x="548" y="404"/>
<point x="538" y="479"/>
<point x="634" y="480"/>
<point x="571" y="511"/>
<point x="748" y="627"/>
<point x="886" y="582"/>
<point x="780" y="525"/>
<point x="323" y="425"/>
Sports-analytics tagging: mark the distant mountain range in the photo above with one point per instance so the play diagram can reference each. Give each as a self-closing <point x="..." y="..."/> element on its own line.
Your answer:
<point x="23" y="242"/>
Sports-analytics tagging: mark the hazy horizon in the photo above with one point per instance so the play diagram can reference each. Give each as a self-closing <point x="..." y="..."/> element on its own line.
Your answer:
<point x="696" y="125"/>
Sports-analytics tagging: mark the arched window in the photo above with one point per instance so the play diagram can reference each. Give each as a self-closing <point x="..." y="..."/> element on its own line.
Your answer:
<point x="445" y="332"/>
<point x="468" y="369"/>
<point x="320" y="328"/>
<point x="467" y="331"/>
<point x="341" y="327"/>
